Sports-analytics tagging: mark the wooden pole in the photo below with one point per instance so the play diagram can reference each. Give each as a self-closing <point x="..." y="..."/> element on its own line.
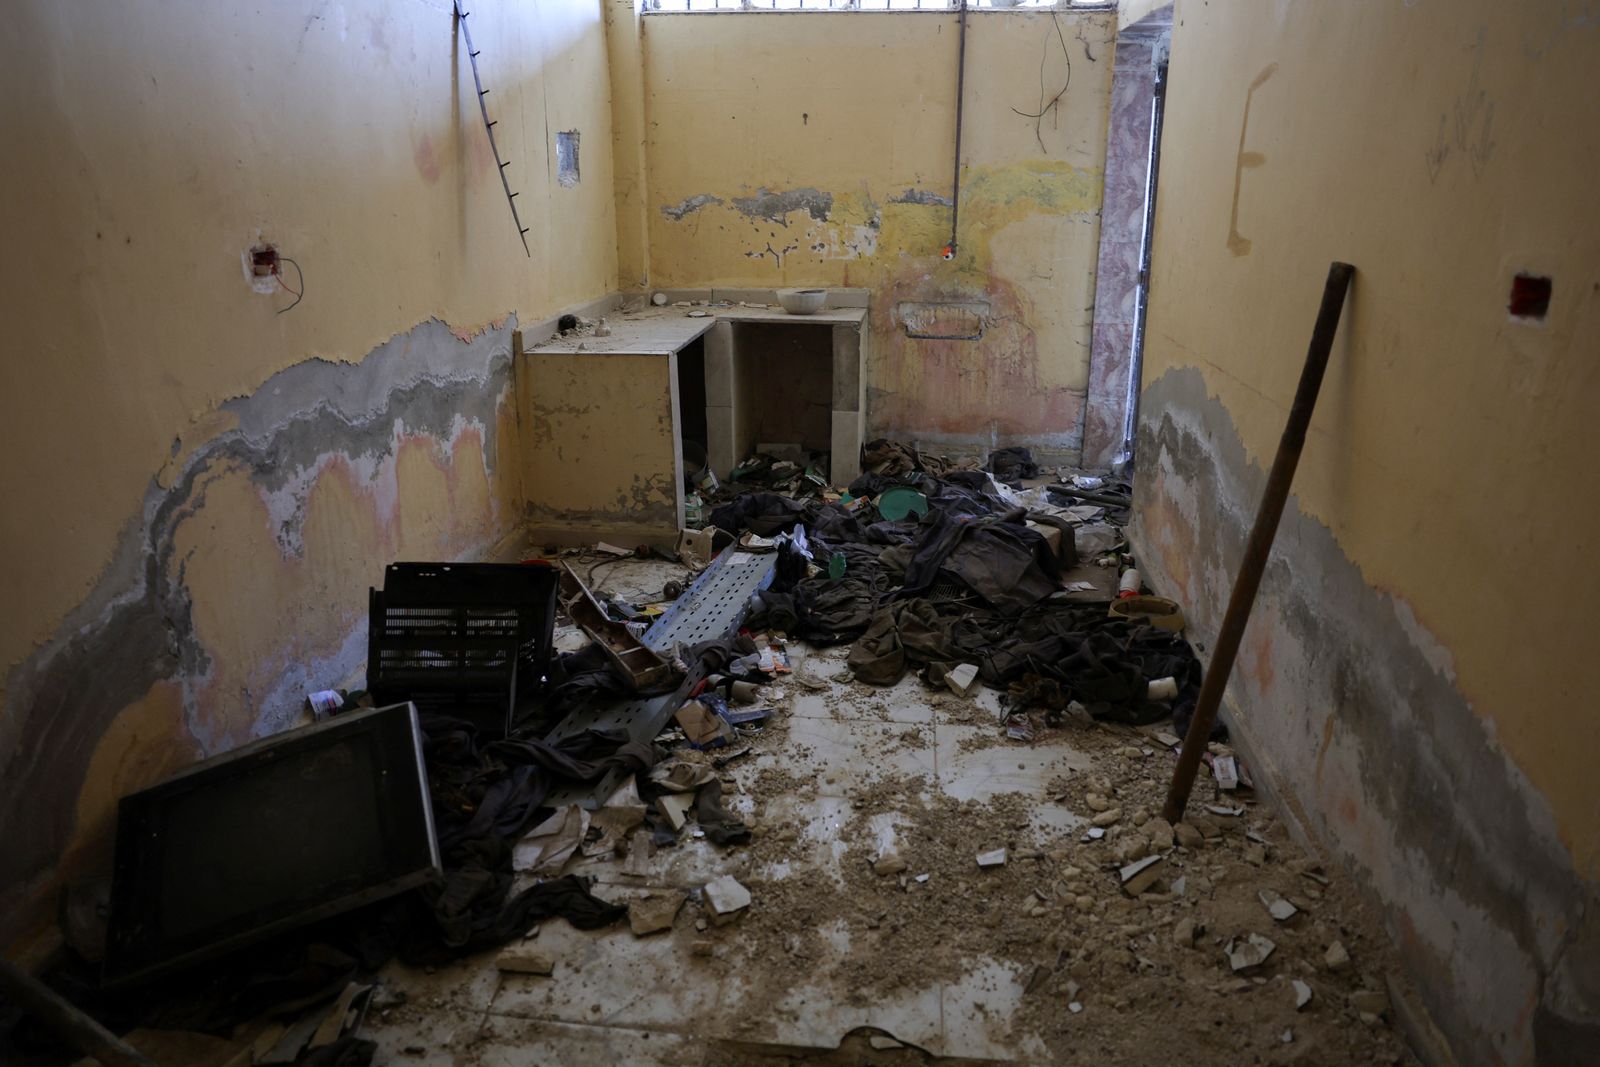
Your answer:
<point x="1259" y="546"/>
<point x="52" y="1009"/>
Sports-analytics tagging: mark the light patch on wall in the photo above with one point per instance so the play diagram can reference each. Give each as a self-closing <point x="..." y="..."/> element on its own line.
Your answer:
<point x="943" y="320"/>
<point x="851" y="242"/>
<point x="567" y="158"/>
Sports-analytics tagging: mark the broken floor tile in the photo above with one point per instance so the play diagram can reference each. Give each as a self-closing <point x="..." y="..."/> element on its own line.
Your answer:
<point x="1252" y="951"/>
<point x="726" y="897"/>
<point x="1279" y="908"/>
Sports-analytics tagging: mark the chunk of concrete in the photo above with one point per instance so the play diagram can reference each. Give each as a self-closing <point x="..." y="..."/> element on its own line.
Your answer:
<point x="520" y="960"/>
<point x="674" y="807"/>
<point x="1128" y="873"/>
<point x="888" y="863"/>
<point x="962" y="679"/>
<point x="726" y="897"/>
<point x="1370" y="1001"/>
<point x="653" y="913"/>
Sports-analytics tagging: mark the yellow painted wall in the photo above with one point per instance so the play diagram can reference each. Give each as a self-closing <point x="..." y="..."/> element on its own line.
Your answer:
<point x="1448" y="438"/>
<point x="160" y="143"/>
<point x="1441" y="148"/>
<point x="624" y="49"/>
<point x="822" y="124"/>
<point x="149" y="145"/>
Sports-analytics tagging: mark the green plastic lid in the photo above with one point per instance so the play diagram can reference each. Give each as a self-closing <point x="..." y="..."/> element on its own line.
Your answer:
<point x="895" y="504"/>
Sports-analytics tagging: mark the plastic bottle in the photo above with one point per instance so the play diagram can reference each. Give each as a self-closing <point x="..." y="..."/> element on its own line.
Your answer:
<point x="1129" y="586"/>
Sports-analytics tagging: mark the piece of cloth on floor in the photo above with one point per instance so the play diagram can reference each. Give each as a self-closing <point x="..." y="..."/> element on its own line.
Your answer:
<point x="721" y="826"/>
<point x="763" y="514"/>
<point x="471" y="909"/>
<point x="1011" y="465"/>
<point x="877" y="657"/>
<point x="1010" y="566"/>
<point x="505" y="784"/>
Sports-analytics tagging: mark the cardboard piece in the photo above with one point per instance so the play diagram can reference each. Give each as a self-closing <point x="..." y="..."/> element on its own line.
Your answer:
<point x="548" y="846"/>
<point x="703" y="727"/>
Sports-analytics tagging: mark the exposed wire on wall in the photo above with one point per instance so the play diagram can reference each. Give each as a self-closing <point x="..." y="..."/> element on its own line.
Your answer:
<point x="298" y="294"/>
<point x="1053" y="105"/>
<point x="955" y="184"/>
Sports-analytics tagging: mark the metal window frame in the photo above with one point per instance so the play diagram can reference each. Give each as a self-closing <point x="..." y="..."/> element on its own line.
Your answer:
<point x="770" y="7"/>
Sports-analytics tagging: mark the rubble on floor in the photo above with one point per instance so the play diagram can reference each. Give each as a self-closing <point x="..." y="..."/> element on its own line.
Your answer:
<point x="908" y="813"/>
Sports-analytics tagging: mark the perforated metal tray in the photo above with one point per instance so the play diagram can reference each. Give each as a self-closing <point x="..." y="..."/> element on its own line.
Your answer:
<point x="711" y="608"/>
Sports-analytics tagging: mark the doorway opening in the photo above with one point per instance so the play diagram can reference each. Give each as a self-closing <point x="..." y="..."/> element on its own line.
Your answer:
<point x="1127" y="223"/>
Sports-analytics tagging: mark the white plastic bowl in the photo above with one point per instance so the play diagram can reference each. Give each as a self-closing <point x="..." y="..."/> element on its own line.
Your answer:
<point x="802" y="301"/>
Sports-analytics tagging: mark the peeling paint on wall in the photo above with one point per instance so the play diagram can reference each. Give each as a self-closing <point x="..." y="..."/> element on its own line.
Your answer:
<point x="776" y="206"/>
<point x="1021" y="218"/>
<point x="922" y="196"/>
<point x="242" y="583"/>
<point x="688" y="206"/>
<point x="861" y="196"/>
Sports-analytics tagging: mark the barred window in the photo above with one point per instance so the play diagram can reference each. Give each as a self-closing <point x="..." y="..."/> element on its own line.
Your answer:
<point x="670" y="6"/>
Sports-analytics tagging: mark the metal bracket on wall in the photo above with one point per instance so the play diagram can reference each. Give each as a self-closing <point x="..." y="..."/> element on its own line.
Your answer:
<point x="711" y="608"/>
<point x="488" y="126"/>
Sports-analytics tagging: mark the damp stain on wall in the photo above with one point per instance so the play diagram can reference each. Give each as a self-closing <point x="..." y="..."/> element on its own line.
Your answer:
<point x="1352" y="710"/>
<point x="241" y="584"/>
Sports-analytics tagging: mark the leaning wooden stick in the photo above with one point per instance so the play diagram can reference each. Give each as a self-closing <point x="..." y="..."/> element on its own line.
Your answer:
<point x="1259" y="546"/>
<point x="82" y="1032"/>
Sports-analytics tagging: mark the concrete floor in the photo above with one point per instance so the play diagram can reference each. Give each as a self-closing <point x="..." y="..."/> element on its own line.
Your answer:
<point x="1044" y="960"/>
<point x="617" y="998"/>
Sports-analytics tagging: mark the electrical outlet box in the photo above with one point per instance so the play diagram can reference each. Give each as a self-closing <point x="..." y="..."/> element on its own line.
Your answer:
<point x="261" y="267"/>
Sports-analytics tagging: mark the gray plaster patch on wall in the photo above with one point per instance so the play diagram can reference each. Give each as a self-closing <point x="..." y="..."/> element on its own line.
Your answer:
<point x="135" y="628"/>
<point x="774" y="207"/>
<point x="922" y="196"/>
<point x="567" y="158"/>
<point x="1359" y="721"/>
<point x="688" y="206"/>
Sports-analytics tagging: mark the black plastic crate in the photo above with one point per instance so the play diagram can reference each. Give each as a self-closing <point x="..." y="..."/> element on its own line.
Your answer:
<point x="465" y="639"/>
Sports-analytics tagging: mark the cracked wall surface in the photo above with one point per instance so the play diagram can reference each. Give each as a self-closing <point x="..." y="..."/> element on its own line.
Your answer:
<point x="199" y="489"/>
<point x="817" y="149"/>
<point x="1409" y="683"/>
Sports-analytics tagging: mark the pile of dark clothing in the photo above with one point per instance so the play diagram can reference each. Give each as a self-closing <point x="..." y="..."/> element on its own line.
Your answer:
<point x="969" y="582"/>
